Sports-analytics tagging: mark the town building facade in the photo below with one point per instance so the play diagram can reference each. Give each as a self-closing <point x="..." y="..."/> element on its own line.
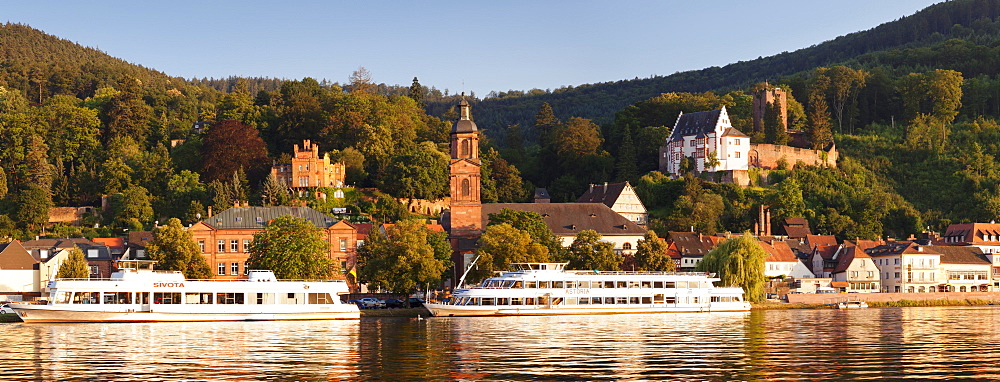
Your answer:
<point x="621" y="197"/>
<point x="224" y="239"/>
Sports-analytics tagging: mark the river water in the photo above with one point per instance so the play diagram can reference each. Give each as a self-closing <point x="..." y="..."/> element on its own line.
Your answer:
<point x="961" y="343"/>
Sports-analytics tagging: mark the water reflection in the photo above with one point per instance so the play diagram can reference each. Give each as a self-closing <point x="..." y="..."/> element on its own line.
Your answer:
<point x="908" y="343"/>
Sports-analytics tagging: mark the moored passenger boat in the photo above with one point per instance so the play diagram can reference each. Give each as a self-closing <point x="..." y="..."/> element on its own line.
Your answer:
<point x="550" y="289"/>
<point x="137" y="293"/>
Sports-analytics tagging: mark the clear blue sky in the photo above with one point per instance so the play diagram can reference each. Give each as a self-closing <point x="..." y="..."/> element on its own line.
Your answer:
<point x="457" y="45"/>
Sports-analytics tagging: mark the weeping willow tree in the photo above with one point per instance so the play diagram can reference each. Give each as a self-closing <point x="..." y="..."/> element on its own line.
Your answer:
<point x="738" y="262"/>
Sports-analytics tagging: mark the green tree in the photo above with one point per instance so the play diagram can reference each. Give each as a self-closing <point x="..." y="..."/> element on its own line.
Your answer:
<point x="502" y="245"/>
<point x="534" y="224"/>
<point x="127" y="114"/>
<point x="174" y="249"/>
<point x="417" y="92"/>
<point x="787" y="201"/>
<point x="588" y="252"/>
<point x="579" y="138"/>
<point x="293" y="248"/>
<point x="134" y="202"/>
<point x="651" y="254"/>
<point x="75" y="266"/>
<point x="738" y="262"/>
<point x="625" y="166"/>
<point x="238" y="106"/>
<point x="274" y="192"/>
<point x="774" y="127"/>
<point x="820" y="130"/>
<point x="33" y="204"/>
<point x="844" y="86"/>
<point x="405" y="257"/>
<point x="546" y="124"/>
<point x="422" y="174"/>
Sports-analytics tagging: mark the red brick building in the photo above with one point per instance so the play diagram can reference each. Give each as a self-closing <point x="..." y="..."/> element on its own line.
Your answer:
<point x="225" y="238"/>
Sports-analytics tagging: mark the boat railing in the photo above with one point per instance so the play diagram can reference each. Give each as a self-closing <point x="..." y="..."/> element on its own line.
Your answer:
<point x="211" y="280"/>
<point x="640" y="273"/>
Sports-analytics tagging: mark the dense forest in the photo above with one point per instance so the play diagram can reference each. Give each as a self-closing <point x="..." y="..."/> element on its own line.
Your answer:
<point x="911" y="105"/>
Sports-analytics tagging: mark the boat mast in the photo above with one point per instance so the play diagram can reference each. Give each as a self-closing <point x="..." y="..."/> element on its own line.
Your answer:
<point x="461" y="281"/>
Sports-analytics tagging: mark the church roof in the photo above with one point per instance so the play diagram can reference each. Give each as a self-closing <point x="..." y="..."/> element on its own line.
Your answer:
<point x="565" y="219"/>
<point x="464" y="124"/>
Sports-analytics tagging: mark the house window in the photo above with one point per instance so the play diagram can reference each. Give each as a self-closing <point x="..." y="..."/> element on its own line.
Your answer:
<point x="234" y="246"/>
<point x="222" y="269"/>
<point x="43" y="253"/>
<point x="91" y="253"/>
<point x="854" y="274"/>
<point x="871" y="274"/>
<point x="222" y="245"/>
<point x="94" y="270"/>
<point x="246" y="245"/>
<point x="201" y="245"/>
<point x="737" y="154"/>
<point x="235" y="270"/>
<point x="303" y="181"/>
<point x="343" y="245"/>
<point x="466" y="187"/>
<point x="627" y="246"/>
<point x="692" y="143"/>
<point x="140" y="253"/>
<point x="246" y="271"/>
<point x="895" y="275"/>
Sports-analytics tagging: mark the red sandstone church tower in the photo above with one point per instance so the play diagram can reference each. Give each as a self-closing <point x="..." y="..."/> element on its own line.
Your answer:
<point x="466" y="208"/>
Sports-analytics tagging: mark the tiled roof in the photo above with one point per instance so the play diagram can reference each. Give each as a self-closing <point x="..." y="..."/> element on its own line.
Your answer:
<point x="902" y="247"/>
<point x="797" y="232"/>
<point x="847" y="257"/>
<point x="139" y="239"/>
<point x="797" y="221"/>
<point x="692" y="243"/>
<point x="606" y="193"/>
<point x="33" y="246"/>
<point x="732" y="132"/>
<point x="778" y="251"/>
<point x="258" y="217"/>
<point x="566" y="219"/>
<point x="959" y="254"/>
<point x="975" y="233"/>
<point x="702" y="122"/>
<point x="817" y="240"/>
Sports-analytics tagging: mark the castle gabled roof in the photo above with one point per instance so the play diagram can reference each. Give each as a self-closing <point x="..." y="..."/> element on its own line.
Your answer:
<point x="702" y="122"/>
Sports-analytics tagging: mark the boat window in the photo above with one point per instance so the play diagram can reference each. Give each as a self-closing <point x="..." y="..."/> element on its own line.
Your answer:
<point x="682" y="284"/>
<point x="596" y="300"/>
<point x="508" y="284"/>
<point x="697" y="300"/>
<point x="543" y="301"/>
<point x="530" y="284"/>
<point x="669" y="284"/>
<point x="584" y="284"/>
<point x="197" y="298"/>
<point x="658" y="298"/>
<point x="229" y="298"/>
<point x="622" y="284"/>
<point x="584" y="300"/>
<point x="557" y="284"/>
<point x="647" y="300"/>
<point x="166" y="297"/>
<point x="570" y="300"/>
<point x="670" y="300"/>
<point x="657" y="284"/>
<point x="117" y="297"/>
<point x="486" y="301"/>
<point x="633" y="284"/>
<point x="738" y="298"/>
<point x="516" y="301"/>
<point x="609" y="284"/>
<point x="518" y="284"/>
<point x="647" y="284"/>
<point x="633" y="300"/>
<point x="571" y="284"/>
<point x="314" y="298"/>
<point x="62" y="297"/>
<point x="503" y="301"/>
<point x="529" y="301"/>
<point x="622" y="300"/>
<point x="86" y="297"/>
<point x="557" y="300"/>
<point x="609" y="300"/>
<point x="543" y="284"/>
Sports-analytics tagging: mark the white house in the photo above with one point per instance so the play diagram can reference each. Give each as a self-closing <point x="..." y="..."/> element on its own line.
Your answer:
<point x="781" y="261"/>
<point x="621" y="197"/>
<point x="704" y="136"/>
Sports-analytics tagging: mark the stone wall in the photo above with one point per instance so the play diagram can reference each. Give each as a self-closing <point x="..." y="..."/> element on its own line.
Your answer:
<point x="830" y="298"/>
<point x="767" y="156"/>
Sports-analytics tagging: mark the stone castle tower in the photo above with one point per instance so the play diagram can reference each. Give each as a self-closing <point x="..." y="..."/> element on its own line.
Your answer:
<point x="464" y="173"/>
<point x="765" y="96"/>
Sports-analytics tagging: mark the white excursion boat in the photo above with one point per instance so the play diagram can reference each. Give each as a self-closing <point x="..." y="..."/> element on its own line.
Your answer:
<point x="137" y="293"/>
<point x="549" y="289"/>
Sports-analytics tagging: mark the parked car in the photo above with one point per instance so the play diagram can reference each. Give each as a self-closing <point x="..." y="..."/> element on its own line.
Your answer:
<point x="371" y="303"/>
<point x="360" y="304"/>
<point x="4" y="309"/>
<point x="415" y="302"/>
<point x="395" y="303"/>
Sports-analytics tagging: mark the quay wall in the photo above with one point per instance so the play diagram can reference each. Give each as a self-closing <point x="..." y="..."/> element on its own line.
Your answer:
<point x="830" y="298"/>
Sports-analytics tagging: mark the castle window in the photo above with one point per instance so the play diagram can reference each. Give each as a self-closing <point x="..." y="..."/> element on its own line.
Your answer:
<point x="466" y="187"/>
<point x="692" y="142"/>
<point x="737" y="154"/>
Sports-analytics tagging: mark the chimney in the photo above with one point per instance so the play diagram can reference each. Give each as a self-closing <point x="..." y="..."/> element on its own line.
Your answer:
<point x="209" y="211"/>
<point x="767" y="222"/>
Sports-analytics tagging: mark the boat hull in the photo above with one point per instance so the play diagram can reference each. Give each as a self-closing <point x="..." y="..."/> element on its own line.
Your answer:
<point x="55" y="314"/>
<point x="444" y="310"/>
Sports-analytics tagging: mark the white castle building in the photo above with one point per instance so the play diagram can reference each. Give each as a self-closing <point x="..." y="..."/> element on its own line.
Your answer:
<point x="702" y="136"/>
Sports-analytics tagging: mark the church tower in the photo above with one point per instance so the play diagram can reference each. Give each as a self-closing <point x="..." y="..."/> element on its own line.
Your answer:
<point x="464" y="174"/>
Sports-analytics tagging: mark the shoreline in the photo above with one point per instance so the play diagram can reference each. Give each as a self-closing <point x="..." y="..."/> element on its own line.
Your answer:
<point x="771" y="305"/>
